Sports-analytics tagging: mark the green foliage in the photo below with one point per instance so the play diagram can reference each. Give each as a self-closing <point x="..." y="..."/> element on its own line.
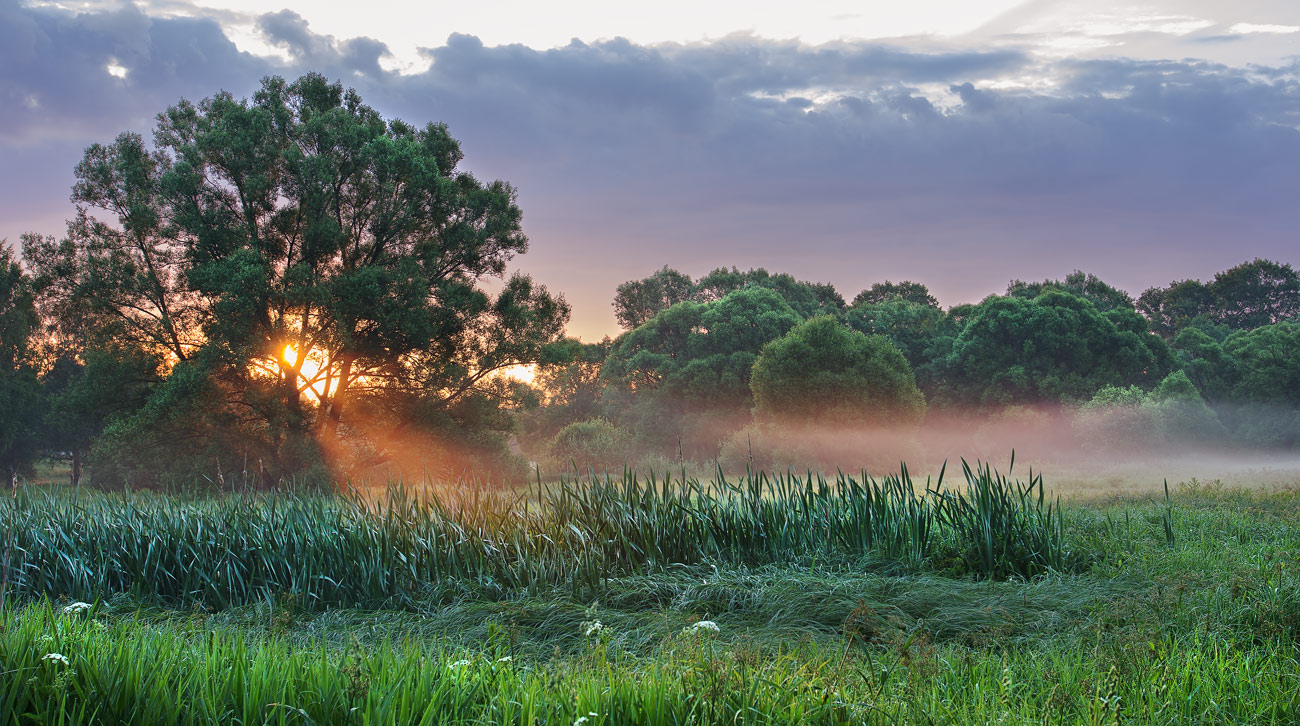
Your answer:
<point x="595" y="444"/>
<point x="1130" y="418"/>
<point x="1266" y="387"/>
<point x="636" y="301"/>
<point x="298" y="218"/>
<point x="1003" y="527"/>
<point x="84" y="397"/>
<point x="1268" y="364"/>
<point x="224" y="552"/>
<point x="881" y="292"/>
<point x="1055" y="347"/>
<point x="1250" y="295"/>
<point x="823" y="371"/>
<point x="1080" y="284"/>
<point x="1256" y="293"/>
<point x="1207" y="365"/>
<point x="806" y="298"/>
<point x="20" y="404"/>
<point x="923" y="333"/>
<point x="684" y="374"/>
<point x="1181" y="413"/>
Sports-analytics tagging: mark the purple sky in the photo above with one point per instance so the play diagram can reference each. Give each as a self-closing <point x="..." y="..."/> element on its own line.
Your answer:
<point x="1022" y="148"/>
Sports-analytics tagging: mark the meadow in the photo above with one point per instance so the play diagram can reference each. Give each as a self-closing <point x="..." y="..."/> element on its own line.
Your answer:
<point x="763" y="599"/>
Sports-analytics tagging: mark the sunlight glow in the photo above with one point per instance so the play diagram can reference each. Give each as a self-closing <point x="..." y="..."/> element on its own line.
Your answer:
<point x="310" y="374"/>
<point x="521" y="373"/>
<point x="116" y="70"/>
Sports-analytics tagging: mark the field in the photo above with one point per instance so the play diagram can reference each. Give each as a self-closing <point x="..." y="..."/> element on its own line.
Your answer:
<point x="752" y="600"/>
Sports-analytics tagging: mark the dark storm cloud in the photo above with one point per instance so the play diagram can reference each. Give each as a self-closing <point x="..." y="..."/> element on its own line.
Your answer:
<point x="856" y="159"/>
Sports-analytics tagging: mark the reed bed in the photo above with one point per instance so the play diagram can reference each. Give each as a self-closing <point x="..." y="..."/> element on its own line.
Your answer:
<point x="350" y="550"/>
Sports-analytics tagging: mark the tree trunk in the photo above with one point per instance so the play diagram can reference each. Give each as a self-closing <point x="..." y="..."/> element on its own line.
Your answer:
<point x="339" y="399"/>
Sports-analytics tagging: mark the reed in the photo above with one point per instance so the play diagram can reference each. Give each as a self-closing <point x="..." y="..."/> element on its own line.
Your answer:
<point x="399" y="549"/>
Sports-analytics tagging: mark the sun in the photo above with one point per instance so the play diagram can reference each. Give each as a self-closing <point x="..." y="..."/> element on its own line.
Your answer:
<point x="309" y="373"/>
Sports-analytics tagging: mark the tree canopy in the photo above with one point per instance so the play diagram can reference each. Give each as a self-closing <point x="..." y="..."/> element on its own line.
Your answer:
<point x="881" y="292"/>
<point x="1054" y="347"/>
<point x="1252" y="294"/>
<point x="296" y="260"/>
<point x="823" y="371"/>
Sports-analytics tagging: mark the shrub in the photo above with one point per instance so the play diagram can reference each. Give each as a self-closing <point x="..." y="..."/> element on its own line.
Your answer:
<point x="592" y="444"/>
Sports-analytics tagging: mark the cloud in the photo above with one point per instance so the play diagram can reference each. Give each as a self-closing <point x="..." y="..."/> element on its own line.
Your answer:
<point x="1247" y="28"/>
<point x="850" y="160"/>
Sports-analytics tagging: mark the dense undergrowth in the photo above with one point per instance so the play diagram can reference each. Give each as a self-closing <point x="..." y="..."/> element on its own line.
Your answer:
<point x="353" y="551"/>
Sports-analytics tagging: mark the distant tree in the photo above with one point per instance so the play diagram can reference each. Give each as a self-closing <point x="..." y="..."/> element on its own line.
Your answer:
<point x="822" y="371"/>
<point x="636" y="301"/>
<point x="296" y="259"/>
<point x="1170" y="308"/>
<point x="1181" y="412"/>
<point x="1207" y="365"/>
<point x="887" y="291"/>
<point x="806" y="298"/>
<point x="701" y="354"/>
<point x="1260" y="292"/>
<point x="85" y="395"/>
<point x="681" y="381"/>
<point x="1127" y="417"/>
<point x="1267" y="363"/>
<point x="923" y="333"/>
<point x="568" y="380"/>
<point x="20" y="404"/>
<point x="592" y="444"/>
<point x="1055" y="347"/>
<point x="1085" y="285"/>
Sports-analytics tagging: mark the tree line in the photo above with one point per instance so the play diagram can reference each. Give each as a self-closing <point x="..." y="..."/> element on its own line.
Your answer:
<point x="701" y="360"/>
<point x="291" y="286"/>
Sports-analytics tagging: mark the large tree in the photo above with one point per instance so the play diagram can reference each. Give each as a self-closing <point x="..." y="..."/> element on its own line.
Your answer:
<point x="297" y="259"/>
<point x="1055" y="347"/>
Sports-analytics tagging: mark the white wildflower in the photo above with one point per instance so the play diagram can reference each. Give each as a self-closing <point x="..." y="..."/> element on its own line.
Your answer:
<point x="702" y="626"/>
<point x="55" y="658"/>
<point x="458" y="664"/>
<point x="504" y="659"/>
<point x="594" y="628"/>
<point x="76" y="608"/>
<point x="580" y="721"/>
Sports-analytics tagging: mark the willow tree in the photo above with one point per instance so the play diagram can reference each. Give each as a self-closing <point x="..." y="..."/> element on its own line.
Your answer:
<point x="307" y="270"/>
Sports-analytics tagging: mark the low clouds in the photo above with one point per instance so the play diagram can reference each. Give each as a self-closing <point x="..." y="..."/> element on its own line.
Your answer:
<point x="847" y="162"/>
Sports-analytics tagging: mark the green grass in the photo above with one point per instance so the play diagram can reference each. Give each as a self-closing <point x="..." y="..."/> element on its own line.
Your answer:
<point x="350" y="551"/>
<point x="1201" y="629"/>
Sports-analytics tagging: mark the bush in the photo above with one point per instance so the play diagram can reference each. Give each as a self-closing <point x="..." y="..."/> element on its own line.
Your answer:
<point x="823" y="371"/>
<point x="592" y="444"/>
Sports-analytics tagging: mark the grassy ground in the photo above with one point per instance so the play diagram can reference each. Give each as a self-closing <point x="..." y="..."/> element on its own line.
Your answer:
<point x="1199" y="627"/>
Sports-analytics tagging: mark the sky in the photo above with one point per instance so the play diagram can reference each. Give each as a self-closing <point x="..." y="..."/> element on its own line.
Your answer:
<point x="957" y="143"/>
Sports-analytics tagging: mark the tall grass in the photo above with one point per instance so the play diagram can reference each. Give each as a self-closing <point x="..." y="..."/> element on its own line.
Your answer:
<point x="353" y="551"/>
<point x="128" y="672"/>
